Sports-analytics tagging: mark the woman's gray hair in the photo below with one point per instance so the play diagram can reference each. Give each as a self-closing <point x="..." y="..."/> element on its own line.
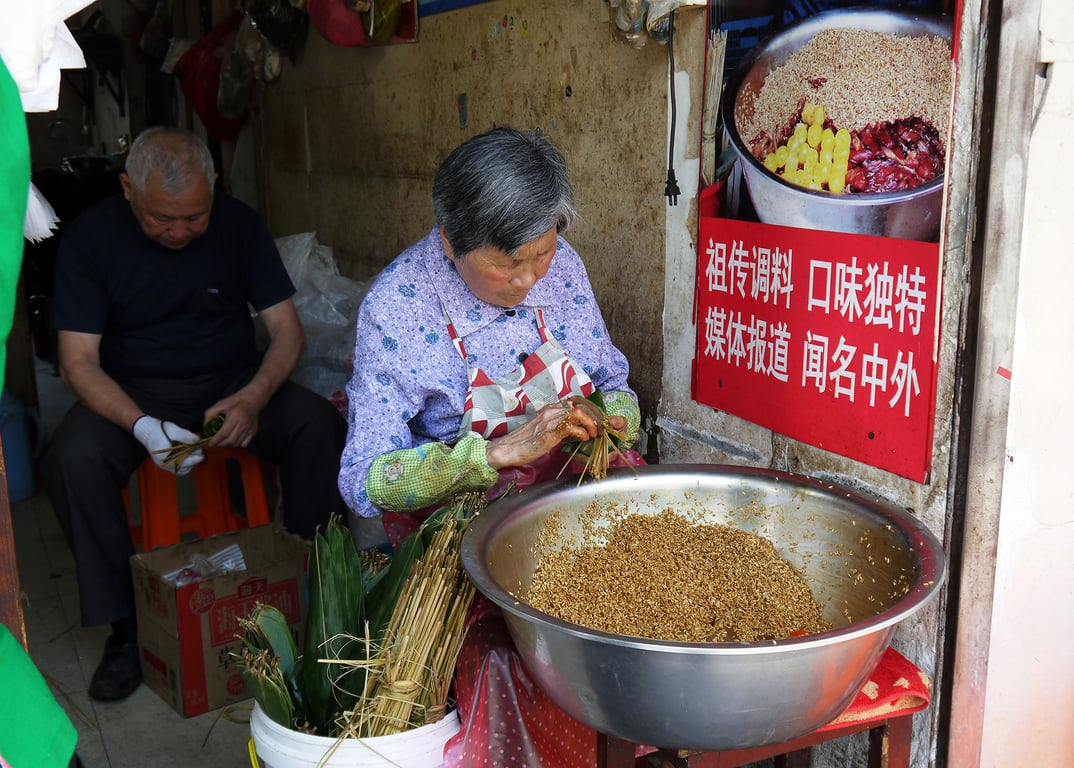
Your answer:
<point x="172" y="154"/>
<point x="503" y="189"/>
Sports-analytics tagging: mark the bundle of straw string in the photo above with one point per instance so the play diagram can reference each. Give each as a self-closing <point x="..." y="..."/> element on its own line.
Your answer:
<point x="417" y="658"/>
<point x="714" y="65"/>
<point x="177" y="453"/>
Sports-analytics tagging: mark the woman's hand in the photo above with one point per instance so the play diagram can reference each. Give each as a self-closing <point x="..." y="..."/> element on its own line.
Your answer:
<point x="574" y="419"/>
<point x="615" y="422"/>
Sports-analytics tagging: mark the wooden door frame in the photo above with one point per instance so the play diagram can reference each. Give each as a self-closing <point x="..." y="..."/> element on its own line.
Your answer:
<point x="994" y="102"/>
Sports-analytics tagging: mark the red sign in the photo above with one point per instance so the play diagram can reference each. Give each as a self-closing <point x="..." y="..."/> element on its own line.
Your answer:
<point x="825" y="337"/>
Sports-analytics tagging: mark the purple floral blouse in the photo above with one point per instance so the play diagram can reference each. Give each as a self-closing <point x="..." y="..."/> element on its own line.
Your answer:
<point x="409" y="383"/>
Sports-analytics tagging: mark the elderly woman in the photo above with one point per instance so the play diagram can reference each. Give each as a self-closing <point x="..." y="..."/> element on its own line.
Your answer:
<point x="467" y="347"/>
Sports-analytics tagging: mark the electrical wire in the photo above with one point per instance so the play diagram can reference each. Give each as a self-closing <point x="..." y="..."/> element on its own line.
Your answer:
<point x="671" y="187"/>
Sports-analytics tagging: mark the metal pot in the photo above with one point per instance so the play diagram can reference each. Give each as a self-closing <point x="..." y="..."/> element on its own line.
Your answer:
<point x="913" y="214"/>
<point x="869" y="564"/>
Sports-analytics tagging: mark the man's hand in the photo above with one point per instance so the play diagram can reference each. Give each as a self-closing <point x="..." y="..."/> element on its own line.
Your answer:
<point x="158" y="436"/>
<point x="243" y="408"/>
<point x="240" y="414"/>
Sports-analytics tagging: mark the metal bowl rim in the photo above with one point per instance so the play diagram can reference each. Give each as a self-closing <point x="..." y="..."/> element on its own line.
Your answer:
<point x="929" y="551"/>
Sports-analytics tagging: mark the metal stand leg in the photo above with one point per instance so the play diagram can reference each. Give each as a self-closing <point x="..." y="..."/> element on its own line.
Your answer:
<point x="889" y="745"/>
<point x="614" y="753"/>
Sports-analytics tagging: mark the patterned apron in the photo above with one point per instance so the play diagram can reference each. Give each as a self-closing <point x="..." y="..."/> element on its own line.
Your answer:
<point x="495" y="407"/>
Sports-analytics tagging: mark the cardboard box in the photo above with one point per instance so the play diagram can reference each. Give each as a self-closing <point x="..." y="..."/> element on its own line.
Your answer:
<point x="188" y="634"/>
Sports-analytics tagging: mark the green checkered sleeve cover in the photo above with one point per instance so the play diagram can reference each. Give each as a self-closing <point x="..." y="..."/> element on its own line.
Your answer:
<point x="415" y="478"/>
<point x="618" y="403"/>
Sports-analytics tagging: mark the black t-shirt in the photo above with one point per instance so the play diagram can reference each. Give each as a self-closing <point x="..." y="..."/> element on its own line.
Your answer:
<point x="165" y="313"/>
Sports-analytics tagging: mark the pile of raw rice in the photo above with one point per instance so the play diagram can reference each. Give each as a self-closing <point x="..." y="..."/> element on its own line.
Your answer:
<point x="664" y="577"/>
<point x="860" y="78"/>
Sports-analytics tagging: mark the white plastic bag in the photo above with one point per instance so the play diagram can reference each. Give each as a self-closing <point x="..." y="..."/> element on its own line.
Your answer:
<point x="295" y="252"/>
<point x="327" y="305"/>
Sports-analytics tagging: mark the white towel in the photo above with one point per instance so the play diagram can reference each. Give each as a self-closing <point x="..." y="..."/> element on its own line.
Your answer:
<point x="36" y="44"/>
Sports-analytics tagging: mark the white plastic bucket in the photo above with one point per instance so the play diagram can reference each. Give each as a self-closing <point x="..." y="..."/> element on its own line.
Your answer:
<point x="280" y="747"/>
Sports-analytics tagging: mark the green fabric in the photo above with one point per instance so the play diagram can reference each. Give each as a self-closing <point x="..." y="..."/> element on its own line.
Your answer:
<point x="35" y="732"/>
<point x="14" y="190"/>
<point x="416" y="478"/>
<point x="620" y="403"/>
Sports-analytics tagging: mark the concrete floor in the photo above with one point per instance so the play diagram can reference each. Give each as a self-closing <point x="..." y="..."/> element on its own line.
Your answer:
<point x="142" y="730"/>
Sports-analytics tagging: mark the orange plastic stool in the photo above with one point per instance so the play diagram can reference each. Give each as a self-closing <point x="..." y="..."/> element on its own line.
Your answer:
<point x="161" y="523"/>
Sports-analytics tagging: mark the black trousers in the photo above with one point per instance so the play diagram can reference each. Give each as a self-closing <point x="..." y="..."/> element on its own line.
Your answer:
<point x="89" y="460"/>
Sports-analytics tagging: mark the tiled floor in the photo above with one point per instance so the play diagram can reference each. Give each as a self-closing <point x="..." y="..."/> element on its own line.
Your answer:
<point x="142" y="730"/>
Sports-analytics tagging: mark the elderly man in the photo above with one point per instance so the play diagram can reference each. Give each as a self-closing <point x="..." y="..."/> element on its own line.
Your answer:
<point x="156" y="338"/>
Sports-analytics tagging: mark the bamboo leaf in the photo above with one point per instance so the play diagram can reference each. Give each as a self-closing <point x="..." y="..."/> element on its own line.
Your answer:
<point x="212" y="426"/>
<point x="333" y="626"/>
<point x="315" y="682"/>
<point x="418" y="649"/>
<point x="266" y="684"/>
<point x="597" y="450"/>
<point x="267" y="628"/>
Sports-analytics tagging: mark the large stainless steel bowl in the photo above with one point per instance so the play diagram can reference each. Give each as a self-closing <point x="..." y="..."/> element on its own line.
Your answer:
<point x="914" y="214"/>
<point x="869" y="564"/>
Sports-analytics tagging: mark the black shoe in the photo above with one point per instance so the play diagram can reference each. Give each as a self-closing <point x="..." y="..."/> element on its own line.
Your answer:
<point x="119" y="674"/>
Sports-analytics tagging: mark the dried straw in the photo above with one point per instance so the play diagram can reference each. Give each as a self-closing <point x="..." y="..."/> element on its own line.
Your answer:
<point x="416" y="660"/>
<point x="714" y="65"/>
<point x="179" y="452"/>
<point x="598" y="451"/>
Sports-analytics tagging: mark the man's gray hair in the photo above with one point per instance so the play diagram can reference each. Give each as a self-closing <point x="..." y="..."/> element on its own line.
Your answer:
<point x="171" y="155"/>
<point x="503" y="189"/>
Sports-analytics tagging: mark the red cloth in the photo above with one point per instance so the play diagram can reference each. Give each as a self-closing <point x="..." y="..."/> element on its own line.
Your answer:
<point x="507" y="720"/>
<point x="198" y="72"/>
<point x="895" y="686"/>
<point x="337" y="23"/>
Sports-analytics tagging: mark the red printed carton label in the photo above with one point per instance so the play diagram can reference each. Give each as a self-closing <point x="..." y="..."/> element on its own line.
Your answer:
<point x="224" y="615"/>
